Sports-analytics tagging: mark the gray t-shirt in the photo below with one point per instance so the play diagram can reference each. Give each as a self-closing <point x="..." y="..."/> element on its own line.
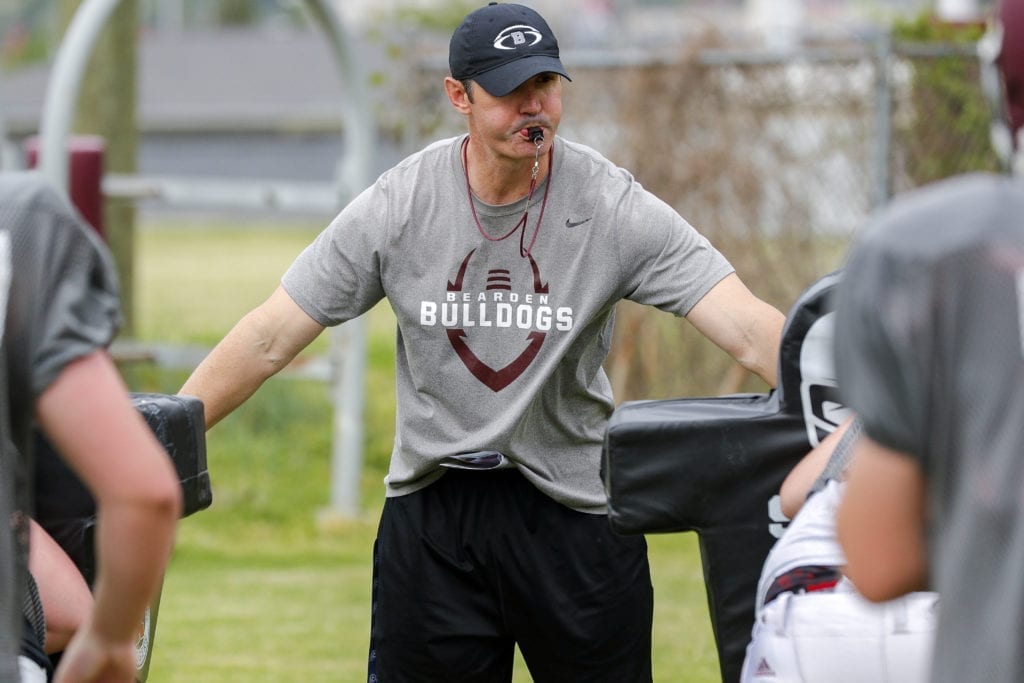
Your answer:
<point x="501" y="351"/>
<point x="59" y="302"/>
<point x="930" y="355"/>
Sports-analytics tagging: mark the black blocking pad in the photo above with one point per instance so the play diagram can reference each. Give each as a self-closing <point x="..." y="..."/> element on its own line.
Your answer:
<point x="66" y="510"/>
<point x="714" y="466"/>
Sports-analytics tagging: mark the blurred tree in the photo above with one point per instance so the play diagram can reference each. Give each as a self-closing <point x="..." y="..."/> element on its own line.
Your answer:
<point x="107" y="107"/>
<point x="236" y="12"/>
<point x="947" y="131"/>
<point x="24" y="37"/>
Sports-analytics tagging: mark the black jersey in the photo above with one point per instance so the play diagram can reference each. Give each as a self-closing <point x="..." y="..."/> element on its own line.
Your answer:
<point x="58" y="301"/>
<point x="930" y="355"/>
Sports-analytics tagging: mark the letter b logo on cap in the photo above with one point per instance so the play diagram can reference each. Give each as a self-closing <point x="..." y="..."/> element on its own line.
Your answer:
<point x="514" y="36"/>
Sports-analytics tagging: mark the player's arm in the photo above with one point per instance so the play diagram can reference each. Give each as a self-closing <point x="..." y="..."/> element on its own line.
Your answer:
<point x="63" y="592"/>
<point x="880" y="522"/>
<point x="262" y="343"/>
<point x="745" y="327"/>
<point x="87" y="415"/>
<point x="798" y="482"/>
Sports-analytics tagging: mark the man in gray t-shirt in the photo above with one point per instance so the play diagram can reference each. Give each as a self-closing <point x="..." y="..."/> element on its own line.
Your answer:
<point x="503" y="253"/>
<point x="930" y="354"/>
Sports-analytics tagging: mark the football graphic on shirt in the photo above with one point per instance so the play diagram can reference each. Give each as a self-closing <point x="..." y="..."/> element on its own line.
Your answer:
<point x="496" y="314"/>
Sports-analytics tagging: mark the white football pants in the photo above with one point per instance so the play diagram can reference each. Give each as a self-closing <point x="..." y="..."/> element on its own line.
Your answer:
<point x="839" y="637"/>
<point x="30" y="671"/>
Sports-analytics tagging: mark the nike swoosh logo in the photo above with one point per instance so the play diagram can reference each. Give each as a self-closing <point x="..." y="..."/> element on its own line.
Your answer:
<point x="573" y="224"/>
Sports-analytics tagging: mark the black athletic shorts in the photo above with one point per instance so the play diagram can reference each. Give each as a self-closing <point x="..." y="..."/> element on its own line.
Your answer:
<point x="477" y="562"/>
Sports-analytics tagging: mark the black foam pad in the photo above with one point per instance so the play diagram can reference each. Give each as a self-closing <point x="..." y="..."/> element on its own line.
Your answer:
<point x="67" y="511"/>
<point x="714" y="465"/>
<point x="180" y="426"/>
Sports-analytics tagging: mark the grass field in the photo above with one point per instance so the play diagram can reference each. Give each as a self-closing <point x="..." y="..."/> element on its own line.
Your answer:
<point x="259" y="590"/>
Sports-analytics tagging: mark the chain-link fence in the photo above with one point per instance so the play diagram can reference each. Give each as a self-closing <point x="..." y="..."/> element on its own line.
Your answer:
<point x="777" y="159"/>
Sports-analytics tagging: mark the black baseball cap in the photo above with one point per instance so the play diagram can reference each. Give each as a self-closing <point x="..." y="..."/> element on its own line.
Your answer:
<point x="501" y="46"/>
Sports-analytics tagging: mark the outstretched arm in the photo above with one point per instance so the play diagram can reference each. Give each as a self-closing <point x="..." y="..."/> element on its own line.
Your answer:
<point x="262" y="343"/>
<point x="881" y="522"/>
<point x="745" y="327"/>
<point x="87" y="415"/>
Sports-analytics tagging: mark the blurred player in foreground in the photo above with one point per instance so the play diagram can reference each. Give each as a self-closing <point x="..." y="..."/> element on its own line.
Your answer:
<point x="930" y="355"/>
<point x="60" y="309"/>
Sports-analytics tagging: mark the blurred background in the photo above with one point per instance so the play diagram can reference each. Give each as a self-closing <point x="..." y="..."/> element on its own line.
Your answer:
<point x="776" y="127"/>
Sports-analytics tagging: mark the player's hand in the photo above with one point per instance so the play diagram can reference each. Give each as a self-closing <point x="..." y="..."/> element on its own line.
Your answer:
<point x="91" y="659"/>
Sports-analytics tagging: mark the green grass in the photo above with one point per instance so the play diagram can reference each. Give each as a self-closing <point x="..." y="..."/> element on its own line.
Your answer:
<point x="194" y="280"/>
<point x="259" y="589"/>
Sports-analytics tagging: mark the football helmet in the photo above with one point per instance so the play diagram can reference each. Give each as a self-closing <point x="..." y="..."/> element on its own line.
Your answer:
<point x="1002" y="67"/>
